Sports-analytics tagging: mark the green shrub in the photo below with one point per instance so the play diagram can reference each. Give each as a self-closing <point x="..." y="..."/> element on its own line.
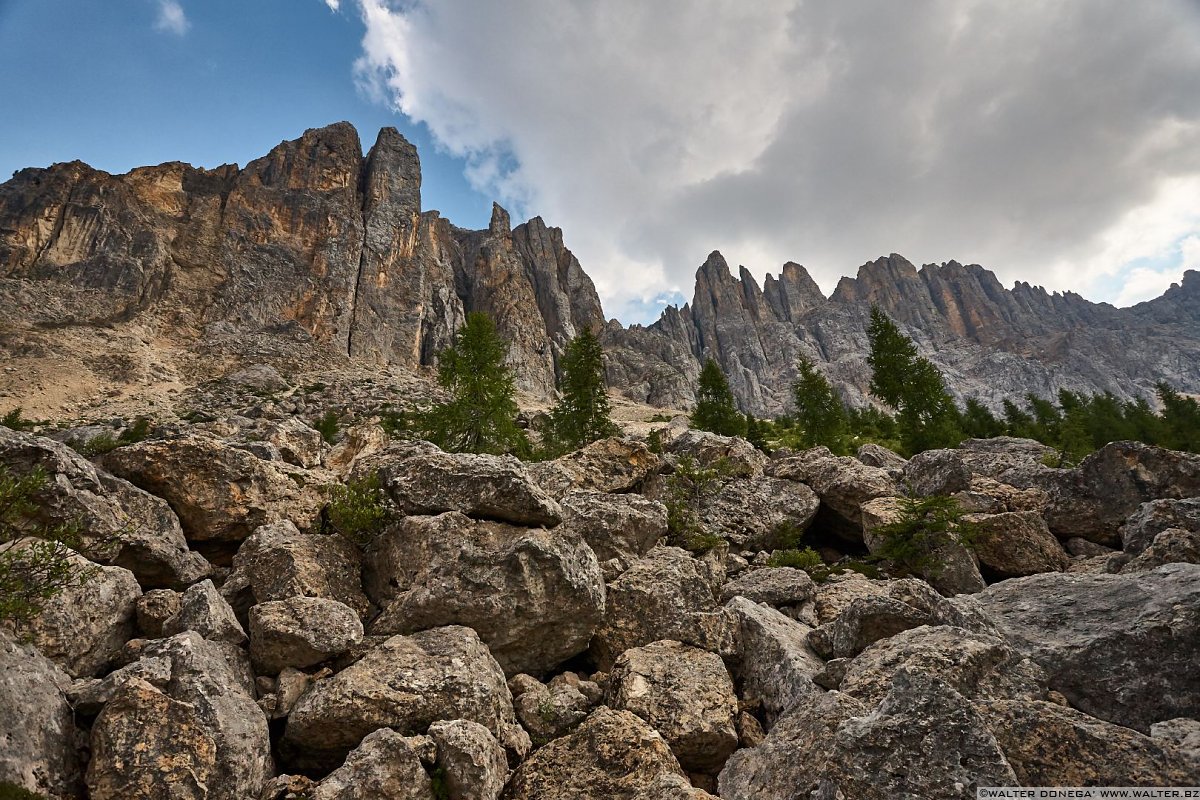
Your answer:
<point x="98" y="445"/>
<point x="356" y="510"/>
<point x="925" y="525"/>
<point x="806" y="559"/>
<point x="10" y="791"/>
<point x="687" y="490"/>
<point x="14" y="420"/>
<point x="654" y="440"/>
<point x="37" y="571"/>
<point x="327" y="426"/>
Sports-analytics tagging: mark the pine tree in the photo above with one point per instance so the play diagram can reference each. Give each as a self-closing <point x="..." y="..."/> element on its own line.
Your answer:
<point x="716" y="410"/>
<point x="819" y="411"/>
<point x="911" y="384"/>
<point x="583" y="414"/>
<point x="480" y="416"/>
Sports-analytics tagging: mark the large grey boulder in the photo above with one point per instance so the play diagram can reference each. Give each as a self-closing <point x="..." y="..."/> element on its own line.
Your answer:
<point x="278" y="562"/>
<point x="759" y="512"/>
<point x="534" y="596"/>
<point x="300" y="632"/>
<point x="471" y="760"/>
<point x="976" y="665"/>
<point x="843" y="484"/>
<point x="406" y="683"/>
<point x="667" y="594"/>
<point x="613" y="755"/>
<point x="1144" y="525"/>
<point x="421" y="479"/>
<point x="992" y="458"/>
<point x="39" y="747"/>
<point x="1014" y="544"/>
<point x="121" y="525"/>
<point x="923" y="740"/>
<point x="204" y="698"/>
<point x="147" y="746"/>
<point x="84" y="626"/>
<point x="202" y="609"/>
<point x="936" y="472"/>
<point x="220" y="492"/>
<point x="778" y="587"/>
<point x="951" y="567"/>
<point x="608" y="465"/>
<point x="1122" y="648"/>
<point x="385" y="764"/>
<point x="685" y="694"/>
<point x="772" y="660"/>
<point x="620" y="528"/>
<point x="1052" y="745"/>
<point x="740" y="458"/>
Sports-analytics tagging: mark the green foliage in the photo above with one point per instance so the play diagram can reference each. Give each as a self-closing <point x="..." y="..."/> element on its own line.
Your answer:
<point x="1180" y="420"/>
<point x="328" y="426"/>
<point x="356" y="510"/>
<point x="716" y="410"/>
<point x="806" y="559"/>
<point x="14" y="419"/>
<point x="654" y="440"/>
<point x="687" y="490"/>
<point x="10" y="791"/>
<point x="582" y="415"/>
<point x="925" y="525"/>
<point x="978" y="422"/>
<point x="480" y="416"/>
<point x="35" y="572"/>
<point x="757" y="431"/>
<point x="820" y="414"/>
<point x="925" y="412"/>
<point x="439" y="784"/>
<point x="105" y="442"/>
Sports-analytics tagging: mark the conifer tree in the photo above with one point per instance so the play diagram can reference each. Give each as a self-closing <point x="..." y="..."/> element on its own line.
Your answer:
<point x="716" y="410"/>
<point x="819" y="411"/>
<point x="480" y="416"/>
<point x="583" y="414"/>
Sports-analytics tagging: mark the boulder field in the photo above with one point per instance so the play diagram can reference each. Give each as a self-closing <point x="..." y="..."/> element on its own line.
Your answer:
<point x="516" y="631"/>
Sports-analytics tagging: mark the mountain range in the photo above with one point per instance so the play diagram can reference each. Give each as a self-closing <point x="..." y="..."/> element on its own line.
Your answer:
<point x="317" y="254"/>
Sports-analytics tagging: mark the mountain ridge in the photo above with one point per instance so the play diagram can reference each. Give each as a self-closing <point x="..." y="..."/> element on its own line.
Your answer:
<point x="325" y="248"/>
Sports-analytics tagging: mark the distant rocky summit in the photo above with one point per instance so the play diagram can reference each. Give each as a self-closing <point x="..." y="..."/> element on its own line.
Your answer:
<point x="166" y="276"/>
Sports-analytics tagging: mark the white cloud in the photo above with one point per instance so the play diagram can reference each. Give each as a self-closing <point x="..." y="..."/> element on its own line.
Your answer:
<point x="171" y="18"/>
<point x="334" y="5"/>
<point x="1051" y="142"/>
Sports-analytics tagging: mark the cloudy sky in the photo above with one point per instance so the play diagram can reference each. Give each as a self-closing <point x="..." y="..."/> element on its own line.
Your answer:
<point x="1054" y="142"/>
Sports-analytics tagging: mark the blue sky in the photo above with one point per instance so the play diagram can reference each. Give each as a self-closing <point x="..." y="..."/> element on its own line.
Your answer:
<point x="104" y="82"/>
<point x="1055" y="143"/>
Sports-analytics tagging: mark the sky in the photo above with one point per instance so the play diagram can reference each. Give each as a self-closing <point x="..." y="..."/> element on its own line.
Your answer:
<point x="1055" y="142"/>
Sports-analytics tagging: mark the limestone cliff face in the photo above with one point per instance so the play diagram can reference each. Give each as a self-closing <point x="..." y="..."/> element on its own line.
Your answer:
<point x="315" y="251"/>
<point x="311" y="241"/>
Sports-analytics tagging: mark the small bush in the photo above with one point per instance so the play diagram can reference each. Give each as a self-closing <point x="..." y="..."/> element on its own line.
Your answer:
<point x="806" y="559"/>
<point x="327" y="426"/>
<point x="925" y="525"/>
<point x="687" y="490"/>
<point x="34" y="573"/>
<point x="105" y="442"/>
<point x="10" y="791"/>
<point x="395" y="424"/>
<point x="655" y="440"/>
<point x="356" y="510"/>
<point x="14" y="420"/>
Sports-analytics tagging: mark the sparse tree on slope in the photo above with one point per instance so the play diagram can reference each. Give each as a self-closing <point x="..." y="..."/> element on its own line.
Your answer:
<point x="716" y="410"/>
<point x="480" y="416"/>
<point x="819" y="411"/>
<point x="583" y="414"/>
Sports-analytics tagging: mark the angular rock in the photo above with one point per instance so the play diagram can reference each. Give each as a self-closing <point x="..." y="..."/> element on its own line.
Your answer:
<point x="1181" y="733"/>
<point x="84" y="626"/>
<point x="952" y="567"/>
<point x="121" y="525"/>
<point x="300" y="632"/>
<point x="202" y="609"/>
<point x="772" y="661"/>
<point x="683" y="693"/>
<point x="665" y="595"/>
<point x="778" y="587"/>
<point x="221" y="493"/>
<point x="759" y="512"/>
<point x="278" y="562"/>
<point x="620" y="528"/>
<point x="147" y="746"/>
<point x="203" y="680"/>
<point x="1121" y="648"/>
<point x="1050" y="745"/>
<point x="421" y="479"/>
<point x="844" y="484"/>
<point x="298" y="444"/>
<point x="874" y="455"/>
<point x="608" y="465"/>
<point x="672" y="787"/>
<point x="385" y="764"/>
<point x="39" y="749"/>
<point x="613" y="755"/>
<point x="406" y="684"/>
<point x="976" y="665"/>
<point x="471" y="760"/>
<point x="154" y="608"/>
<point x="741" y="459"/>
<point x="1144" y="525"/>
<point x="1015" y="544"/>
<point x="1172" y="546"/>
<point x="992" y="458"/>
<point x="548" y="712"/>
<point x="89" y="695"/>
<point x="936" y="472"/>
<point x="534" y="596"/>
<point x="986" y="496"/>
